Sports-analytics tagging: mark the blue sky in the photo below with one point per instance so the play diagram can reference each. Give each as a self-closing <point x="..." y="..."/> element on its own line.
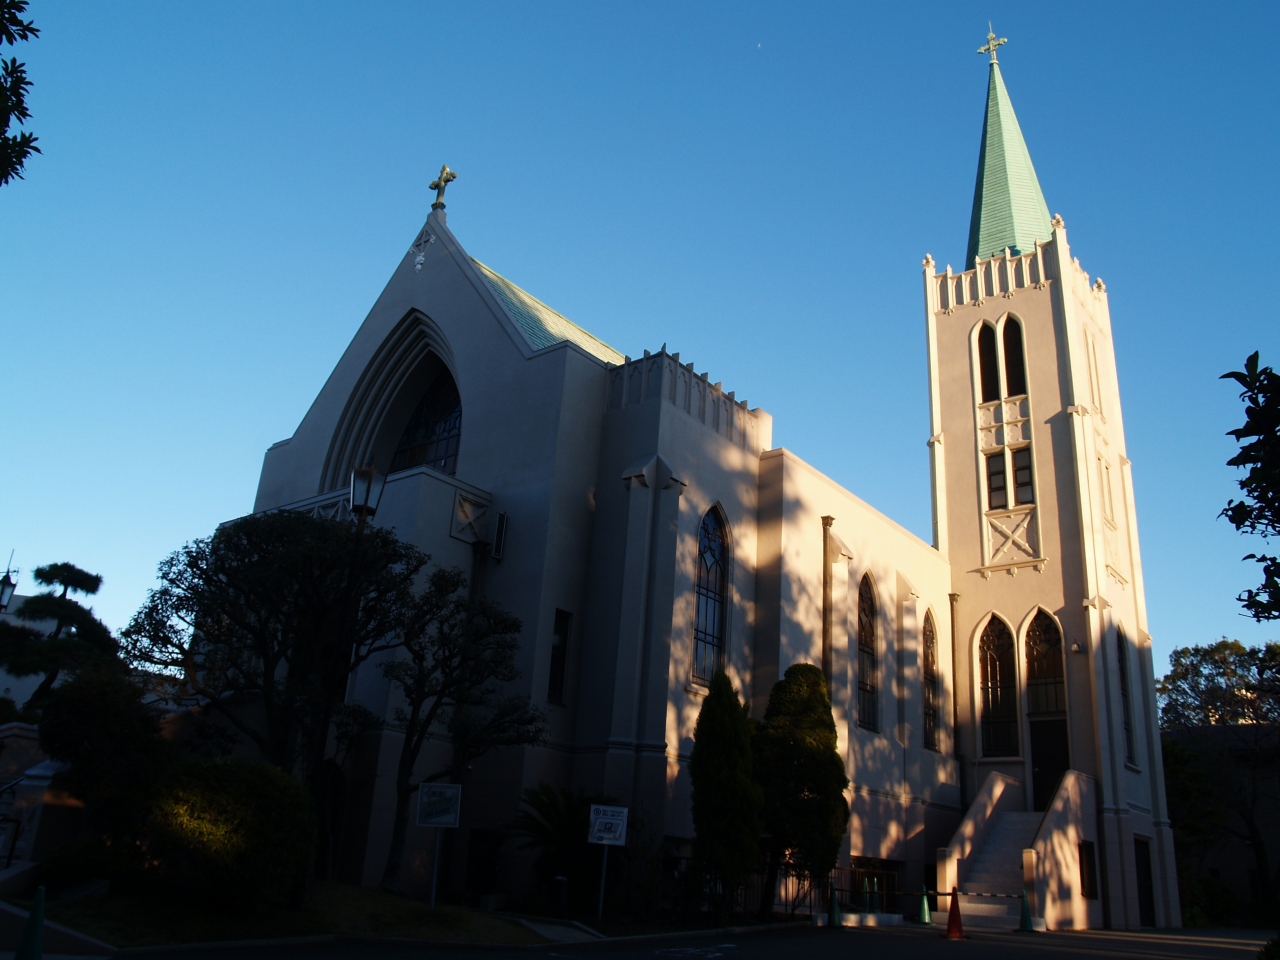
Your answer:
<point x="225" y="188"/>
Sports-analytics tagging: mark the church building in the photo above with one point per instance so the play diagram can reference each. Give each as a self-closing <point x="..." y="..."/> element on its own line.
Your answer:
<point x="993" y="689"/>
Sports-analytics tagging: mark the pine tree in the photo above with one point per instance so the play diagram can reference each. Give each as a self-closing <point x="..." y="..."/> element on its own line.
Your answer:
<point x="726" y="798"/>
<point x="56" y="634"/>
<point x="799" y="768"/>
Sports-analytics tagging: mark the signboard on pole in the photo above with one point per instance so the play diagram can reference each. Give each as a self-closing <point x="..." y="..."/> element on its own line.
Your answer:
<point x="438" y="804"/>
<point x="608" y="825"/>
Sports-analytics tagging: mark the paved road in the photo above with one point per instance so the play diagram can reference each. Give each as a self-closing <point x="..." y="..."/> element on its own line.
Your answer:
<point x="903" y="943"/>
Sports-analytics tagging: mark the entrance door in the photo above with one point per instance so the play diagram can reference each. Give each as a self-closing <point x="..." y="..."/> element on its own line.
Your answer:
<point x="1046" y="708"/>
<point x="1050" y="759"/>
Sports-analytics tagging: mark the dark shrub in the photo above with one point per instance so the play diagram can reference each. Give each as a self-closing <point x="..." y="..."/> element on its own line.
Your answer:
<point x="234" y="830"/>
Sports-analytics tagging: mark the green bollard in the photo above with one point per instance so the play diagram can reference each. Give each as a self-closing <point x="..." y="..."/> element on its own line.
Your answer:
<point x="924" y="906"/>
<point x="833" y="906"/>
<point x="875" y="895"/>
<point x="31" y="946"/>
<point x="1024" y="926"/>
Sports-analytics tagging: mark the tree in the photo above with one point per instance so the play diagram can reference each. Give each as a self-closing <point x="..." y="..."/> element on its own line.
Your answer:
<point x="455" y="657"/>
<point x="76" y="639"/>
<point x="275" y="610"/>
<point x="98" y="723"/>
<point x="726" y="799"/>
<point x="1222" y="703"/>
<point x="15" y="148"/>
<point x="1259" y="511"/>
<point x="1225" y="683"/>
<point x="802" y="776"/>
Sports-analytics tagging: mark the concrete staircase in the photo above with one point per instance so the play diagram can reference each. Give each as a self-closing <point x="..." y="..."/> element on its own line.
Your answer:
<point x="998" y="869"/>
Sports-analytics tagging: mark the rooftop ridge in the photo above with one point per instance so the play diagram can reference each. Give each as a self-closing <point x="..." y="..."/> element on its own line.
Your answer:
<point x="543" y="326"/>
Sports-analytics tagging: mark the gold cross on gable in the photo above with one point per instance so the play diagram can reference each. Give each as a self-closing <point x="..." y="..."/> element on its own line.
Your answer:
<point x="438" y="185"/>
<point x="993" y="42"/>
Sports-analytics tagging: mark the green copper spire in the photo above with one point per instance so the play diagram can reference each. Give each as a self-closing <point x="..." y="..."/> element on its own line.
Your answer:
<point x="1008" y="207"/>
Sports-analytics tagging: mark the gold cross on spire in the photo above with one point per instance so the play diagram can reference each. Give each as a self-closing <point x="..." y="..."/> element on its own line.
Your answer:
<point x="438" y="185"/>
<point x="993" y="42"/>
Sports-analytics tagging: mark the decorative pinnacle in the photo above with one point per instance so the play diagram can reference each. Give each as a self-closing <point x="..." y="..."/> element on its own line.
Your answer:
<point x="993" y="42"/>
<point x="438" y="185"/>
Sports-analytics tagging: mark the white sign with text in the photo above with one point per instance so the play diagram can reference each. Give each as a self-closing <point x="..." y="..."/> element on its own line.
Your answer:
<point x="608" y="825"/>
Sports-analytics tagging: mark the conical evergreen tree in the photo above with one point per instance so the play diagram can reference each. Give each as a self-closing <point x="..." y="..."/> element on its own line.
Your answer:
<point x="802" y="776"/>
<point x="726" y="799"/>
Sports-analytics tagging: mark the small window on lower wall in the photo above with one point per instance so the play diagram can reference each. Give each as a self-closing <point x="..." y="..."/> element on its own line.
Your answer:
<point x="997" y="488"/>
<point x="1088" y="870"/>
<point x="559" y="656"/>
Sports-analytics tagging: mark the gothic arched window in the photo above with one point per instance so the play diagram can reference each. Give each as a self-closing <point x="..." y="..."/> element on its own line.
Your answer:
<point x="988" y="368"/>
<point x="434" y="430"/>
<point x="711" y="596"/>
<point x="930" y="672"/>
<point x="1015" y="369"/>
<point x="868" y="704"/>
<point x="999" y="690"/>
<point x="1046" y="684"/>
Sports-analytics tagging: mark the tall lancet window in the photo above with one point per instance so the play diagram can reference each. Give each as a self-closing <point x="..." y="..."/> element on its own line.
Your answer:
<point x="868" y="702"/>
<point x="988" y="367"/>
<point x="434" y="431"/>
<point x="930" y="675"/>
<point x="711" y="594"/>
<point x="999" y="690"/>
<point x="1015" y="370"/>
<point x="1046" y="684"/>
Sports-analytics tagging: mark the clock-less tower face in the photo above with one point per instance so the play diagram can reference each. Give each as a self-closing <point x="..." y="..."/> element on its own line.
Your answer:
<point x="1033" y="506"/>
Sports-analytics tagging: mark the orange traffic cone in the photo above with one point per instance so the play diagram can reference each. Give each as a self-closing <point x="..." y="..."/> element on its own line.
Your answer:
<point x="955" y="929"/>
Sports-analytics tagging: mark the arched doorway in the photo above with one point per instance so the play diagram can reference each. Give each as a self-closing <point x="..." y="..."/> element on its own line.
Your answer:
<point x="1046" y="709"/>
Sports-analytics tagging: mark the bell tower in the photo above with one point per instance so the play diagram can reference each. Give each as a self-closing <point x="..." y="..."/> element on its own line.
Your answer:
<point x="1033" y="506"/>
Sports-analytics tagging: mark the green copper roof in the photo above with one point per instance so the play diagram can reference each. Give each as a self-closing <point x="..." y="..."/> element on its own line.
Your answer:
<point x="542" y="326"/>
<point x="1008" y="207"/>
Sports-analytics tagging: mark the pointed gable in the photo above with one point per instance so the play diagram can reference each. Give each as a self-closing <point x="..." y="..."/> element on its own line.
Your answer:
<point x="1008" y="206"/>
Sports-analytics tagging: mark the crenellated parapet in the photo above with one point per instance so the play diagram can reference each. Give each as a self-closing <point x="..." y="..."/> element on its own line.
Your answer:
<point x="998" y="276"/>
<point x="661" y="376"/>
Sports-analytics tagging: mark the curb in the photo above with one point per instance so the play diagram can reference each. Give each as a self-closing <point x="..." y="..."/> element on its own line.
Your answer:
<point x="412" y="942"/>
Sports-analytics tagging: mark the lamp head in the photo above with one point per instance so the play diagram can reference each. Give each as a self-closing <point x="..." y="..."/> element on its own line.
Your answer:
<point x="7" y="586"/>
<point x="366" y="490"/>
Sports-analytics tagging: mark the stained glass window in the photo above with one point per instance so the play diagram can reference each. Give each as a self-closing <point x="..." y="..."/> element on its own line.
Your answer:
<point x="710" y="590"/>
<point x="434" y="431"/>
<point x="868" y="703"/>
<point x="930" y="671"/>
<point x="999" y="690"/>
<point x="1046" y="685"/>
